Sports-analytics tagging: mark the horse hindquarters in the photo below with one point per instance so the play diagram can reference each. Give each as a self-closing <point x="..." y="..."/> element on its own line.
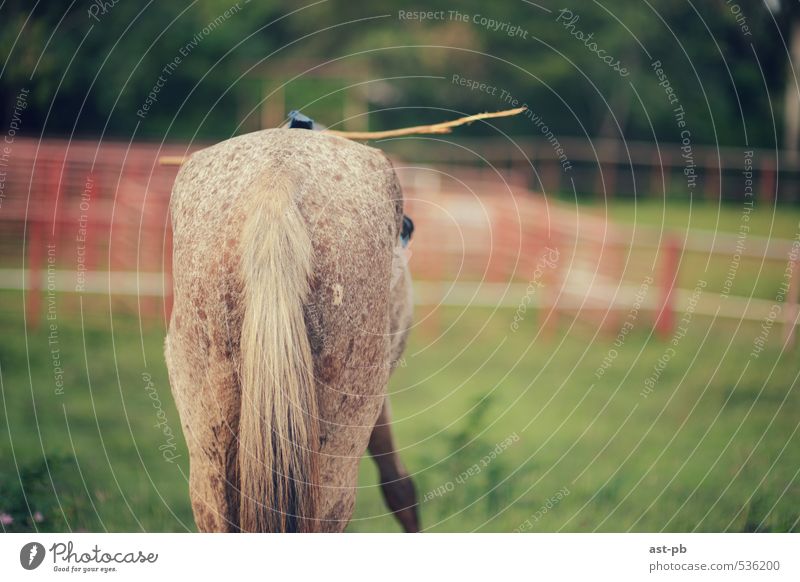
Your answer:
<point x="350" y="209"/>
<point x="252" y="432"/>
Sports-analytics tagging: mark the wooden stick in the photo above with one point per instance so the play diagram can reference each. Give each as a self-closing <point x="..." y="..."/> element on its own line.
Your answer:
<point x="436" y="128"/>
<point x="171" y="160"/>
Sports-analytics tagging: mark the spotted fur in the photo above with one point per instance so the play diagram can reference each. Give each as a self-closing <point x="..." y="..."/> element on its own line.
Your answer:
<point x="291" y="302"/>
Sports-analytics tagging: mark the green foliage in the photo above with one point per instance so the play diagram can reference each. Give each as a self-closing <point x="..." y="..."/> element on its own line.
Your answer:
<point x="97" y="72"/>
<point x="45" y="495"/>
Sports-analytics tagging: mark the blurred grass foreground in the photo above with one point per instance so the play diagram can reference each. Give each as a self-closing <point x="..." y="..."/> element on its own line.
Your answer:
<point x="503" y="430"/>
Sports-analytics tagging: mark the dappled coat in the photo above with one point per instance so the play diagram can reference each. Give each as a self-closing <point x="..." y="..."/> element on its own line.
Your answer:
<point x="291" y="305"/>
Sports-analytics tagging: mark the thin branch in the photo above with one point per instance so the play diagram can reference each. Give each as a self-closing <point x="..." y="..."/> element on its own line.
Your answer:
<point x="444" y="127"/>
<point x="436" y="128"/>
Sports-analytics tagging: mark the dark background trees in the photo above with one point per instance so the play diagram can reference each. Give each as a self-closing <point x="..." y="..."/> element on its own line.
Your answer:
<point x="89" y="76"/>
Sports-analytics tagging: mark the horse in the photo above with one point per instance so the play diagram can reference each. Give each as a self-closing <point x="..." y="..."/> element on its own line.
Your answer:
<point x="291" y="307"/>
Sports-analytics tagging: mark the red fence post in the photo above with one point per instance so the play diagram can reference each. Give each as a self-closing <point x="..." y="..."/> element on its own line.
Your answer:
<point x="665" y="317"/>
<point x="91" y="191"/>
<point x="42" y="190"/>
<point x="505" y="236"/>
<point x="33" y="300"/>
<point x="57" y="179"/>
<point x="616" y="266"/>
<point x="790" y="308"/>
<point x="554" y="284"/>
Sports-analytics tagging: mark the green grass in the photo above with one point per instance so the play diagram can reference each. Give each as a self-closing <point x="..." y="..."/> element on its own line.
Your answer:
<point x="755" y="277"/>
<point x="765" y="219"/>
<point x="99" y="439"/>
<point x="714" y="447"/>
<point x="708" y="442"/>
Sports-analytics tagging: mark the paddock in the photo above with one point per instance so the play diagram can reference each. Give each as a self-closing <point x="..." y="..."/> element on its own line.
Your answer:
<point x="574" y="366"/>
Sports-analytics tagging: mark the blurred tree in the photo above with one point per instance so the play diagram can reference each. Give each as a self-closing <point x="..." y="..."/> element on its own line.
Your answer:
<point x="96" y="73"/>
<point x="790" y="14"/>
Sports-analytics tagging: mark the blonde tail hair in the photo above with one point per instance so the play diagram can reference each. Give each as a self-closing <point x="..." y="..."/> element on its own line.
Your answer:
<point x="278" y="428"/>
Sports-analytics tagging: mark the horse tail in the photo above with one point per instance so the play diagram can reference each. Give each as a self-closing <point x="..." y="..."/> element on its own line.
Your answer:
<point x="278" y="428"/>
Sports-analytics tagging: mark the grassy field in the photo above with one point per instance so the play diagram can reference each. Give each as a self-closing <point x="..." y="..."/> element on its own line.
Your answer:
<point x="502" y="429"/>
<point x="755" y="276"/>
<point x="765" y="219"/>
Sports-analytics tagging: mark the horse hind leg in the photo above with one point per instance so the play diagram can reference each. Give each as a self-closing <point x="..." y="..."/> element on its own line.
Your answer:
<point x="396" y="484"/>
<point x="213" y="492"/>
<point x="209" y="426"/>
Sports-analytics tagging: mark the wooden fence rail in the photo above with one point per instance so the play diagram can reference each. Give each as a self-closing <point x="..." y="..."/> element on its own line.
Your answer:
<point x="84" y="218"/>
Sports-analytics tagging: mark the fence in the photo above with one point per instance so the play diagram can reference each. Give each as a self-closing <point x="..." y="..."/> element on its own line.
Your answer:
<point x="607" y="168"/>
<point x="484" y="241"/>
<point x="87" y="219"/>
